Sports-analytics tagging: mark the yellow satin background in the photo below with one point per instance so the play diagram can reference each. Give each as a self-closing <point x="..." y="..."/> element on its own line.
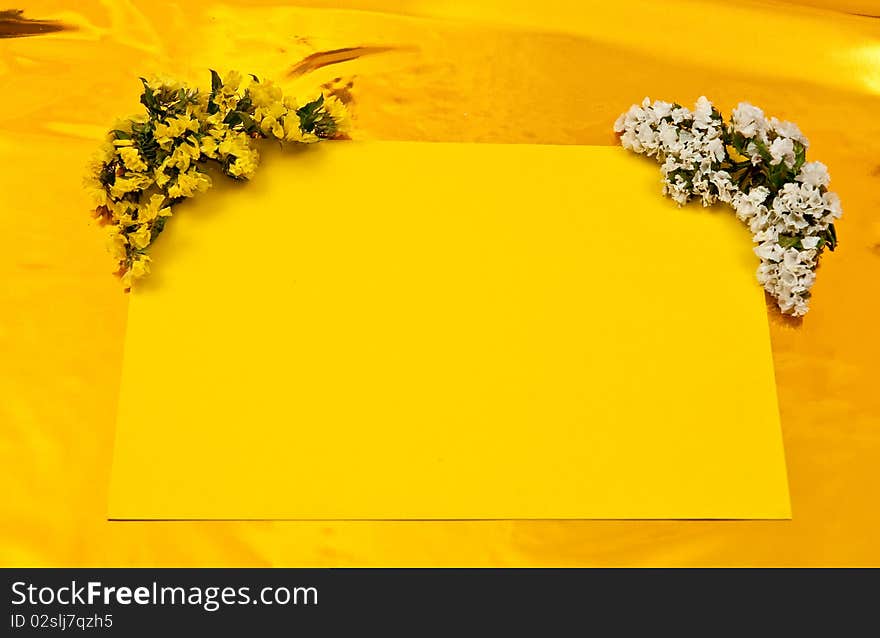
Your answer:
<point x="549" y="72"/>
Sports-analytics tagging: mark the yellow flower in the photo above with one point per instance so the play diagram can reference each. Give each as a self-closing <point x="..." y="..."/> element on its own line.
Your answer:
<point x="141" y="237"/>
<point x="199" y="110"/>
<point x="273" y="127"/>
<point x="122" y="212"/>
<point x="293" y="133"/>
<point x="214" y="122"/>
<point x="97" y="194"/>
<point x="269" y="118"/>
<point x="105" y="155"/>
<point x="159" y="82"/>
<point x="132" y="204"/>
<point x="337" y="110"/>
<point x="162" y="177"/>
<point x="130" y="183"/>
<point x="231" y="82"/>
<point x="153" y="208"/>
<point x="140" y="267"/>
<point x="116" y="244"/>
<point x="123" y="125"/>
<point x="184" y="155"/>
<point x="189" y="183"/>
<point x="131" y="157"/>
<point x="209" y="146"/>
<point x="244" y="165"/>
<point x="237" y="144"/>
<point x="274" y="110"/>
<point x="165" y="134"/>
<point x="264" y="94"/>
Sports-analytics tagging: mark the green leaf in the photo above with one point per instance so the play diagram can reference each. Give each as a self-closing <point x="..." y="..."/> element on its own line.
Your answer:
<point x="144" y="140"/>
<point x="107" y="176"/>
<point x="831" y="237"/>
<point x="314" y="119"/>
<point x="158" y="227"/>
<point x="789" y="241"/>
<point x="247" y="121"/>
<point x="762" y="149"/>
<point x="148" y="98"/>
<point x="216" y="82"/>
<point x="308" y="114"/>
<point x="800" y="156"/>
<point x="245" y="104"/>
<point x="234" y="118"/>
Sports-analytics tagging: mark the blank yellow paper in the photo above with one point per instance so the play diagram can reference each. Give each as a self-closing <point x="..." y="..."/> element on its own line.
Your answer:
<point x="418" y="331"/>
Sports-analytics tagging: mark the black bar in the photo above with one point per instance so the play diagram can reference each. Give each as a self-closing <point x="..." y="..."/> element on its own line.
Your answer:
<point x="416" y="602"/>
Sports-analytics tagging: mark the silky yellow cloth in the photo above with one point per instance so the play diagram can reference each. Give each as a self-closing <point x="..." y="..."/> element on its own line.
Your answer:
<point x="486" y="331"/>
<point x="559" y="74"/>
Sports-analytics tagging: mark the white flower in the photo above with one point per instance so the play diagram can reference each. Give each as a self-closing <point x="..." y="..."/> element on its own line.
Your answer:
<point x="634" y="116"/>
<point x="648" y="137"/>
<point x="749" y="120"/>
<point x="788" y="129"/>
<point x="669" y="137"/>
<point x="748" y="205"/>
<point x="754" y="154"/>
<point x="724" y="186"/>
<point x="680" y="114"/>
<point x="832" y="204"/>
<point x="716" y="148"/>
<point x="630" y="142"/>
<point x="814" y="174"/>
<point x="677" y="189"/>
<point x="769" y="250"/>
<point x="782" y="149"/>
<point x="758" y="195"/>
<point x="703" y="113"/>
<point x="662" y="109"/>
<point x="690" y="147"/>
<point x="790" y="279"/>
<point x="768" y="233"/>
<point x="669" y="165"/>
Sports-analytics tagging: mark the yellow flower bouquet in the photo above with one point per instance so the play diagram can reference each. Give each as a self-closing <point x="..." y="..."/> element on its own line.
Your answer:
<point x="152" y="161"/>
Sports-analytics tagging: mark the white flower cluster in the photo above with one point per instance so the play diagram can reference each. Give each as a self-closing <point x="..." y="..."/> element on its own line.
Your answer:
<point x="689" y="145"/>
<point x="755" y="164"/>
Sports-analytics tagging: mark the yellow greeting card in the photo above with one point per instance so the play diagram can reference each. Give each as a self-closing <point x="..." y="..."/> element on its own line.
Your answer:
<point x="448" y="331"/>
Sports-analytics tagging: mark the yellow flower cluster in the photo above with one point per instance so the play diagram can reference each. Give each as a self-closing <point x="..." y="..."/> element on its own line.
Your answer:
<point x="153" y="161"/>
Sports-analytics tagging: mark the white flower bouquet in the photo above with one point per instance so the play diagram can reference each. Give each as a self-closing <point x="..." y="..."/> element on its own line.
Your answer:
<point x="757" y="165"/>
